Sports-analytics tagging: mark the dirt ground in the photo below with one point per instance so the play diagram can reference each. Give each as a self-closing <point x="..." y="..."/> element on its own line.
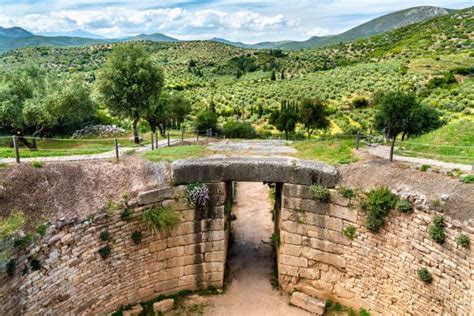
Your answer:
<point x="251" y="260"/>
<point x="74" y="189"/>
<point x="402" y="177"/>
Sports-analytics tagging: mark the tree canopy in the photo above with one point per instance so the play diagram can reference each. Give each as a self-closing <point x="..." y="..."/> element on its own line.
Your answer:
<point x="130" y="83"/>
<point x="313" y="114"/>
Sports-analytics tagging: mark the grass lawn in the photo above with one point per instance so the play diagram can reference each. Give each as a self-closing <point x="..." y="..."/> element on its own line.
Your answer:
<point x="451" y="143"/>
<point x="332" y="151"/>
<point x="178" y="152"/>
<point x="64" y="147"/>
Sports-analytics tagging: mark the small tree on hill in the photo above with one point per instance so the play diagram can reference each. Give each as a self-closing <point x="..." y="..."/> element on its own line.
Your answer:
<point x="273" y="76"/>
<point x="314" y="115"/>
<point x="285" y="118"/>
<point x="129" y="83"/>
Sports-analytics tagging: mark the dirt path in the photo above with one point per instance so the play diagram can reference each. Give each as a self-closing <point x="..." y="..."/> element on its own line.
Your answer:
<point x="250" y="291"/>
<point x="384" y="152"/>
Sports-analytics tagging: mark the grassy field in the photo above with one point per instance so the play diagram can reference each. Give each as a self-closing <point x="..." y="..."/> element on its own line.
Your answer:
<point x="178" y="152"/>
<point x="451" y="143"/>
<point x="332" y="151"/>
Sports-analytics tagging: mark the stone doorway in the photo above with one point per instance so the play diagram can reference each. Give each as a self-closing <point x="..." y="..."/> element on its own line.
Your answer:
<point x="251" y="260"/>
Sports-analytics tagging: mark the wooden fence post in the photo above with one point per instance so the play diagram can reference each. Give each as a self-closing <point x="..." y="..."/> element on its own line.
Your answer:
<point x="357" y="140"/>
<point x="182" y="135"/>
<point x="17" y="150"/>
<point x="117" y="155"/>
<point x="152" y="142"/>
<point x="157" y="144"/>
<point x="169" y="139"/>
<point x="197" y="136"/>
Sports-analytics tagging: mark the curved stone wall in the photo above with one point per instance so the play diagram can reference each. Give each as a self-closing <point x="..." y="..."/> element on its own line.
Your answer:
<point x="75" y="280"/>
<point x="373" y="271"/>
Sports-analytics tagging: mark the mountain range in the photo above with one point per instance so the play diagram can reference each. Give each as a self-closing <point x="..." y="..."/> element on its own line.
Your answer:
<point x="16" y="37"/>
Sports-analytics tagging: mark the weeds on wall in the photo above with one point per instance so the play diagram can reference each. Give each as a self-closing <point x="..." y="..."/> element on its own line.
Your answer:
<point x="42" y="229"/>
<point x="378" y="203"/>
<point x="424" y="275"/>
<point x="197" y="195"/>
<point x="320" y="192"/>
<point x="11" y="267"/>
<point x="105" y="252"/>
<point x="336" y="309"/>
<point x="137" y="237"/>
<point x="126" y="214"/>
<point x="160" y="218"/>
<point x="404" y="206"/>
<point x="350" y="232"/>
<point x="35" y="265"/>
<point x="463" y="240"/>
<point x="105" y="235"/>
<point x="436" y="229"/>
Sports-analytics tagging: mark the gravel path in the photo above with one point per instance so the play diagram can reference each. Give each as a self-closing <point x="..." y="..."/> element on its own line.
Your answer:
<point x="104" y="155"/>
<point x="384" y="152"/>
<point x="250" y="262"/>
<point x="259" y="146"/>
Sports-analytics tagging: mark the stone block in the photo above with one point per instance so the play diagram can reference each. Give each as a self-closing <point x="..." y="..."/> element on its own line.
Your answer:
<point x="218" y="256"/>
<point x="290" y="238"/>
<point x="324" y="257"/>
<point x="154" y="196"/>
<point x="343" y="212"/>
<point x="294" y="261"/>
<point x="163" y="306"/>
<point x="338" y="199"/>
<point x="313" y="305"/>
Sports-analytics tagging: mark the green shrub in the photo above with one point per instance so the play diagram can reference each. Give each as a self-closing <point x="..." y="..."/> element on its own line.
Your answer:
<point x="337" y="307"/>
<point x="105" y="252"/>
<point x="425" y="167"/>
<point x="42" y="229"/>
<point x="348" y="193"/>
<point x="137" y="237"/>
<point x="35" y="264"/>
<point x="236" y="129"/>
<point x="276" y="239"/>
<point x="404" y="206"/>
<point x="363" y="312"/>
<point x="105" y="235"/>
<point x="11" y="267"/>
<point x="360" y="102"/>
<point x="377" y="204"/>
<point x="349" y="232"/>
<point x="468" y="179"/>
<point x="23" y="242"/>
<point x="436" y="229"/>
<point x="328" y="304"/>
<point x="37" y="164"/>
<point x="125" y="215"/>
<point x="463" y="240"/>
<point x="12" y="223"/>
<point x="320" y="192"/>
<point x="160" y="218"/>
<point x="111" y="207"/>
<point x="424" y="275"/>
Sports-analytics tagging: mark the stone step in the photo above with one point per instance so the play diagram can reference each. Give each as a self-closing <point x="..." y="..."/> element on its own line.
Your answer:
<point x="306" y="302"/>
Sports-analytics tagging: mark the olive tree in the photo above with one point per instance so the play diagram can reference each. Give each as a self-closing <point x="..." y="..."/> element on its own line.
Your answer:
<point x="313" y="114"/>
<point x="130" y="83"/>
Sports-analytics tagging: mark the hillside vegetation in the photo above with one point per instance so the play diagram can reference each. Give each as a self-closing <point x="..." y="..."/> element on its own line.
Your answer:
<point x="433" y="58"/>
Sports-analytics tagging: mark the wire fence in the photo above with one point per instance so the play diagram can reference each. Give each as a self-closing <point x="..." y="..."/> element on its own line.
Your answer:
<point x="19" y="146"/>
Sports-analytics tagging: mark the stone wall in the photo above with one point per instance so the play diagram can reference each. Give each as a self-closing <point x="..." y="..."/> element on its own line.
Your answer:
<point x="75" y="280"/>
<point x="376" y="271"/>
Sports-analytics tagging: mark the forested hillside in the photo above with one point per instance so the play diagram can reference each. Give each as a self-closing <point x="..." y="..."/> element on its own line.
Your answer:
<point x="434" y="59"/>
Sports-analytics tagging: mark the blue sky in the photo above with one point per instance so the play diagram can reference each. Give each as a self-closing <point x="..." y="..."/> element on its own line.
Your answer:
<point x="249" y="21"/>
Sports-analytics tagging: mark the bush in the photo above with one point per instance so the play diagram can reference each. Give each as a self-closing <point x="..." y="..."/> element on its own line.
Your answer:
<point x="37" y="164"/>
<point x="468" y="179"/>
<point x="205" y="120"/>
<point x="42" y="229"/>
<point x="320" y="192"/>
<point x="424" y="275"/>
<point x="105" y="236"/>
<point x="349" y="232"/>
<point x="404" y="206"/>
<point x="378" y="203"/>
<point x="360" y="102"/>
<point x="198" y="195"/>
<point x="23" y="242"/>
<point x="363" y="312"/>
<point x="463" y="240"/>
<point x="436" y="229"/>
<point x="348" y="193"/>
<point x="160" y="218"/>
<point x="236" y="129"/>
<point x="424" y="168"/>
<point x="125" y="215"/>
<point x="137" y="237"/>
<point x="105" y="252"/>
<point x="35" y="264"/>
<point x="11" y="267"/>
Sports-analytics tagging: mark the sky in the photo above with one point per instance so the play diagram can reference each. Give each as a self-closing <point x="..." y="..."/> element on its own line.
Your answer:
<point x="249" y="21"/>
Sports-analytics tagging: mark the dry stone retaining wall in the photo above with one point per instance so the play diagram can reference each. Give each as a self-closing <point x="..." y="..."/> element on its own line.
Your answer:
<point x="75" y="280"/>
<point x="376" y="271"/>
